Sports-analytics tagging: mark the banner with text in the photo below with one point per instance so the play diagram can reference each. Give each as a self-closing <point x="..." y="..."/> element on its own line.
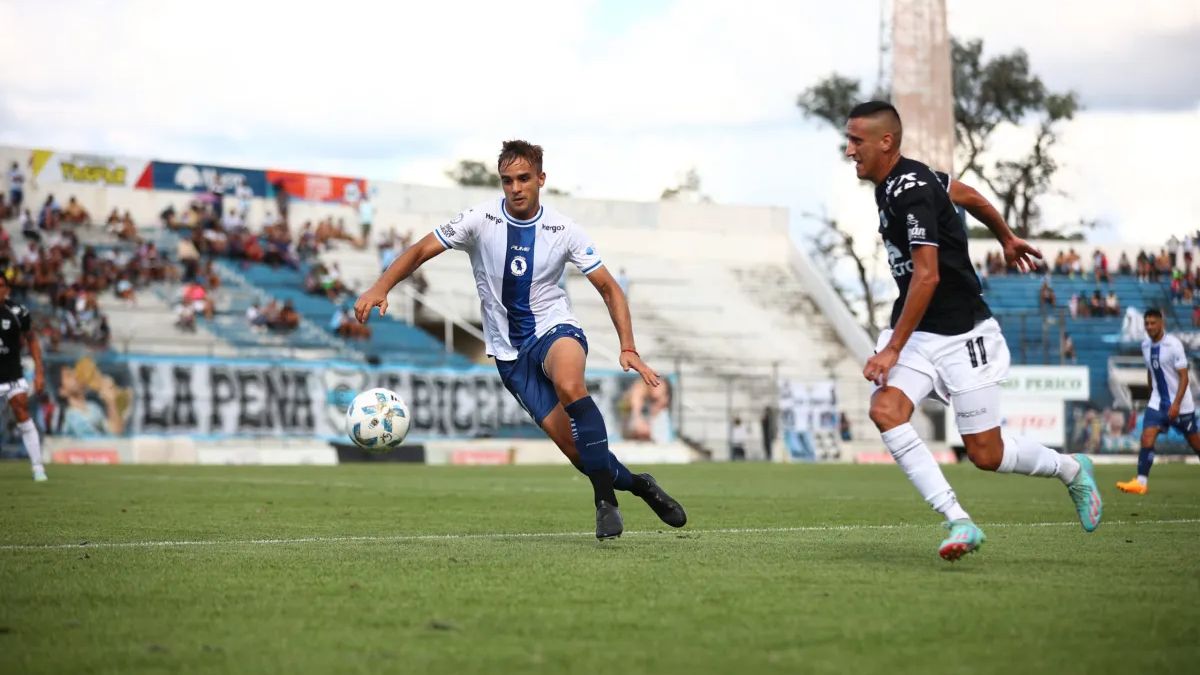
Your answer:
<point x="317" y="188"/>
<point x="205" y="178"/>
<point x="48" y="167"/>
<point x="161" y="395"/>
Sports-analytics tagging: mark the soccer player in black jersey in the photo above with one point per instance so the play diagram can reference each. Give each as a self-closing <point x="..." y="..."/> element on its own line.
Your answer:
<point x="943" y="341"/>
<point x="15" y="332"/>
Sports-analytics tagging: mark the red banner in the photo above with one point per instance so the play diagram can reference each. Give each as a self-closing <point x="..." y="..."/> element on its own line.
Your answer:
<point x="317" y="188"/>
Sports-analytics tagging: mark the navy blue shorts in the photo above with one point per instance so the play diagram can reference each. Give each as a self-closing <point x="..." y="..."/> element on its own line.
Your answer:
<point x="1184" y="424"/>
<point x="526" y="380"/>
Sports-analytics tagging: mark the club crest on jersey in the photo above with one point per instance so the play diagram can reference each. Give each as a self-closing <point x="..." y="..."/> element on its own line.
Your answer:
<point x="4" y="324"/>
<point x="518" y="266"/>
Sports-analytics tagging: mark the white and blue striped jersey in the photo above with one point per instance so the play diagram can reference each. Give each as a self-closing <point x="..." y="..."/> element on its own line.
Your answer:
<point x="517" y="265"/>
<point x="1165" y="359"/>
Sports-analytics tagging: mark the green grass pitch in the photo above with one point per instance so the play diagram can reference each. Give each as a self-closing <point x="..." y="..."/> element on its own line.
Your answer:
<point x="414" y="569"/>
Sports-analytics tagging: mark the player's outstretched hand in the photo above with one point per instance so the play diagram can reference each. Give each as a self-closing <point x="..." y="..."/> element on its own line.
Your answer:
<point x="39" y="382"/>
<point x="878" y="366"/>
<point x="369" y="300"/>
<point x="633" y="360"/>
<point x="1021" y="253"/>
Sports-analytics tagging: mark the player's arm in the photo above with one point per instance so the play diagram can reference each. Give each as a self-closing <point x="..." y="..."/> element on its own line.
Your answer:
<point x="401" y="268"/>
<point x="1016" y="250"/>
<point x="920" y="293"/>
<point x="618" y="310"/>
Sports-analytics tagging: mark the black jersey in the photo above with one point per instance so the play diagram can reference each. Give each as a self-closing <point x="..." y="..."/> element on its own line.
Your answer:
<point x="915" y="210"/>
<point x="14" y="324"/>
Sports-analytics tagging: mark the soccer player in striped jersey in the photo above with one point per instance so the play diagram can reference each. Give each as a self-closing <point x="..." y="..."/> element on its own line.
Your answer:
<point x="518" y="248"/>
<point x="1171" y="404"/>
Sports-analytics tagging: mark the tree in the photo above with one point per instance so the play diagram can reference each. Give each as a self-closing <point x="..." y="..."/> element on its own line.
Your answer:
<point x="831" y="99"/>
<point x="687" y="190"/>
<point x="473" y="173"/>
<point x="988" y="94"/>
<point x="834" y="246"/>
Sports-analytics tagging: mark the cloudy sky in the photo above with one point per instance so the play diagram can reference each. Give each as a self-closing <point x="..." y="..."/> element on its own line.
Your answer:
<point x="624" y="95"/>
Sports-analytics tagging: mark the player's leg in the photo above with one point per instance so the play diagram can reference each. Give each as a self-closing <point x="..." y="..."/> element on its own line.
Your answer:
<point x="978" y="415"/>
<point x="891" y="411"/>
<point x="1153" y="423"/>
<point x="557" y="426"/>
<point x="564" y="366"/>
<point x="18" y="401"/>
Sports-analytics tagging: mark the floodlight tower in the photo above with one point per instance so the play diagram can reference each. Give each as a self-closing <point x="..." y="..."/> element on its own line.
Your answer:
<point x="922" y="82"/>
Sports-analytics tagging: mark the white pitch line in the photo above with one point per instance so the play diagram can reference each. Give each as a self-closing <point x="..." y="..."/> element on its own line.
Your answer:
<point x="537" y="535"/>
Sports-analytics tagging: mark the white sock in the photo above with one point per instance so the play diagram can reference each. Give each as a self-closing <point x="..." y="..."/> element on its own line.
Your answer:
<point x="33" y="444"/>
<point x="913" y="456"/>
<point x="1031" y="458"/>
<point x="1143" y="479"/>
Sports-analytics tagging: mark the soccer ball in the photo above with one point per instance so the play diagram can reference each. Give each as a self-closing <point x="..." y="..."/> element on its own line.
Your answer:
<point x="377" y="420"/>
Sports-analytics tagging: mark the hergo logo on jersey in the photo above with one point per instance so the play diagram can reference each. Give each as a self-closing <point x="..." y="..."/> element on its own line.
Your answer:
<point x="518" y="266"/>
<point x="5" y="324"/>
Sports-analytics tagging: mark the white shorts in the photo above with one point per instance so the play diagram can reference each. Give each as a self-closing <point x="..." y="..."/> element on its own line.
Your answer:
<point x="10" y="389"/>
<point x="966" y="369"/>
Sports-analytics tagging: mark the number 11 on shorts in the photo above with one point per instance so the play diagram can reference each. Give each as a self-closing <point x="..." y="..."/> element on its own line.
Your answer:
<point x="977" y="352"/>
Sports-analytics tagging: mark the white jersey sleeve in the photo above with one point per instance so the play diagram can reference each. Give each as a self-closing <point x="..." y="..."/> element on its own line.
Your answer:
<point x="581" y="251"/>
<point x="1176" y="357"/>
<point x="462" y="232"/>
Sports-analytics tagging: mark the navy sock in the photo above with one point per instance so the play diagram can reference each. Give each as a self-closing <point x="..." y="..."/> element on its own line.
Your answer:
<point x="1145" y="461"/>
<point x="623" y="478"/>
<point x="591" y="441"/>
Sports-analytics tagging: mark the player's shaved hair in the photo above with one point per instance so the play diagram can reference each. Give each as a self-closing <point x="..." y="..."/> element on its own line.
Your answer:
<point x="882" y="111"/>
<point x="1153" y="312"/>
<point x="511" y="151"/>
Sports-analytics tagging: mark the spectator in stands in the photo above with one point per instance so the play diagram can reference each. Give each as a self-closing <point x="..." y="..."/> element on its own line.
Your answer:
<point x="1096" y="304"/>
<point x="26" y="223"/>
<point x="623" y="281"/>
<point x="232" y="220"/>
<point x="1196" y="315"/>
<point x="255" y="318"/>
<point x="738" y="436"/>
<point x="344" y="324"/>
<point x="768" y="424"/>
<point x="1187" y="248"/>
<point x="16" y="188"/>
<point x="124" y="289"/>
<point x="1112" y="306"/>
<point x="288" y="319"/>
<point x="1100" y="266"/>
<point x="75" y="214"/>
<point x="1076" y="263"/>
<point x="1073" y="305"/>
<point x="1143" y="266"/>
<point x="49" y="215"/>
<point x="128" y="228"/>
<point x="1068" y="348"/>
<point x="1176" y="286"/>
<point x="281" y="200"/>
<point x="844" y="426"/>
<point x="1060" y="263"/>
<point x="1123" y="267"/>
<point x="195" y="295"/>
<point x="168" y="218"/>
<point x="1046" y="295"/>
<point x="366" y="216"/>
<point x="112" y="224"/>
<point x="1162" y="266"/>
<point x="306" y="247"/>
